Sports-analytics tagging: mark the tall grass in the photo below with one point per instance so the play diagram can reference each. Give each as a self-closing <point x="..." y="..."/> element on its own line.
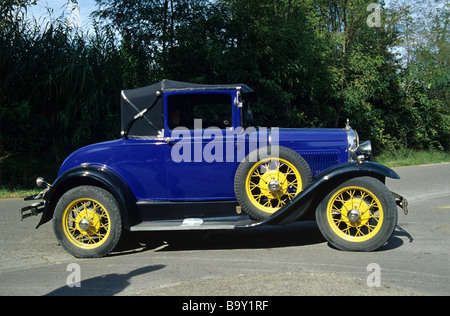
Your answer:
<point x="59" y="90"/>
<point x="410" y="157"/>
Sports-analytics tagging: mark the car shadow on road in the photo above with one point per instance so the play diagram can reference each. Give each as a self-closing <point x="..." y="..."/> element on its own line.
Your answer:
<point x="104" y="285"/>
<point x="293" y="234"/>
<point x="266" y="237"/>
<point x="396" y="241"/>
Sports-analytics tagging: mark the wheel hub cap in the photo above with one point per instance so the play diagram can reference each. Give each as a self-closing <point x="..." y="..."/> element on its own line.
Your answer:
<point x="274" y="186"/>
<point x="353" y="216"/>
<point x="84" y="224"/>
<point x="88" y="222"/>
<point x="358" y="212"/>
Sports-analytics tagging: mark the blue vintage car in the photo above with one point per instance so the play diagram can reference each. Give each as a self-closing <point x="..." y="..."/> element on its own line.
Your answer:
<point x="190" y="159"/>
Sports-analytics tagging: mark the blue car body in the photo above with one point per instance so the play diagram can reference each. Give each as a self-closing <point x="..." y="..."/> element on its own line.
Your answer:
<point x="146" y="164"/>
<point x="139" y="169"/>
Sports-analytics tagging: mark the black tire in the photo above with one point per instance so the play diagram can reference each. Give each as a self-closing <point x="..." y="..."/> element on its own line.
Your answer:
<point x="264" y="181"/>
<point x="358" y="215"/>
<point x="87" y="222"/>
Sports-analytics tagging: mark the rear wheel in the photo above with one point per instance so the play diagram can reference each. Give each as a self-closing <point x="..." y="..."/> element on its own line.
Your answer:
<point x="359" y="215"/>
<point x="87" y="222"/>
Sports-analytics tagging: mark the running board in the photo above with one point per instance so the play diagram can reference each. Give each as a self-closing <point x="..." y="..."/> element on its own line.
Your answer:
<point x="231" y="222"/>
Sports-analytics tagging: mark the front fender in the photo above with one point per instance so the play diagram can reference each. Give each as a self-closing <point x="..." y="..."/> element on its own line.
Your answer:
<point x="324" y="182"/>
<point x="97" y="175"/>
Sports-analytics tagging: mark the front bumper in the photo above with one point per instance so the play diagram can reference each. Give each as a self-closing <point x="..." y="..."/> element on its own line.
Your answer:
<point x="32" y="210"/>
<point x="35" y="208"/>
<point x="401" y="202"/>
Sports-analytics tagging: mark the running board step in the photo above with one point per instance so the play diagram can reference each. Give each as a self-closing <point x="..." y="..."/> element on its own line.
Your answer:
<point x="194" y="224"/>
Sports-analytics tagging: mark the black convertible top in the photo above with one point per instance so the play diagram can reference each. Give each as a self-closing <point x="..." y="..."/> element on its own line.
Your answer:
<point x="134" y="101"/>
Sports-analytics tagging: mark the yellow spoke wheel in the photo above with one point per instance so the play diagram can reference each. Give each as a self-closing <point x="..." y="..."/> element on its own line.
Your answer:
<point x="87" y="222"/>
<point x="358" y="215"/>
<point x="264" y="183"/>
<point x="355" y="214"/>
<point x="271" y="183"/>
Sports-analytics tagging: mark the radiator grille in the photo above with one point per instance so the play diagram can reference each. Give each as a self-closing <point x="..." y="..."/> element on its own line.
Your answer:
<point x="319" y="161"/>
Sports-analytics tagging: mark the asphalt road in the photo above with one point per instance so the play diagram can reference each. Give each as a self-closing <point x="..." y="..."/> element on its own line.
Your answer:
<point x="290" y="260"/>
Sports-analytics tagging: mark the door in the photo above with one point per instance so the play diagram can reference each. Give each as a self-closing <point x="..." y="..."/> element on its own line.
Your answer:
<point x="202" y="162"/>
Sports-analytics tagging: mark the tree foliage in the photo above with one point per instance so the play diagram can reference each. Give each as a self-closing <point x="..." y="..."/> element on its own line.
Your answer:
<point x="314" y="63"/>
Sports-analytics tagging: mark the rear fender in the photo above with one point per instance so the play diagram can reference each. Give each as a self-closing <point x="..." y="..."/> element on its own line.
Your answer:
<point x="324" y="183"/>
<point x="96" y="175"/>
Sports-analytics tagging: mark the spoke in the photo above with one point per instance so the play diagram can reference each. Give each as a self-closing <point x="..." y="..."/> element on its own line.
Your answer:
<point x="374" y="204"/>
<point x="334" y="207"/>
<point x="289" y="171"/>
<point x="359" y="232"/>
<point x="72" y="230"/>
<point x="277" y="165"/>
<point x="346" y="230"/>
<point x="254" y="186"/>
<point x="340" y="198"/>
<point x="290" y="195"/>
<point x="371" y="227"/>
<point x="337" y="222"/>
<point x="278" y="169"/>
<point x="258" y="197"/>
<point x="352" y="194"/>
<point x="266" y="166"/>
<point x="71" y="220"/>
<point x="364" y="195"/>
<point x="376" y="219"/>
<point x="79" y="237"/>
<point x="76" y="211"/>
<point x="294" y="183"/>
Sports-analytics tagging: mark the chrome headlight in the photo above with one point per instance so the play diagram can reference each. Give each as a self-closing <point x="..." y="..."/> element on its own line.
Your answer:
<point x="353" y="143"/>
<point x="357" y="152"/>
<point x="365" y="149"/>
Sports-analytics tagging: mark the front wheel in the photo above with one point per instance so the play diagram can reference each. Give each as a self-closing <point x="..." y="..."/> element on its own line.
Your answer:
<point x="87" y="222"/>
<point x="359" y="215"/>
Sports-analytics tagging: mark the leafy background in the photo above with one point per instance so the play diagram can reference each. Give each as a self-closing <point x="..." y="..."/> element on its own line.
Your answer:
<point x="313" y="63"/>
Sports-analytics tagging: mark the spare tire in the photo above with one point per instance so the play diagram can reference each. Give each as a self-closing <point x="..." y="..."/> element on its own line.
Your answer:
<point x="265" y="182"/>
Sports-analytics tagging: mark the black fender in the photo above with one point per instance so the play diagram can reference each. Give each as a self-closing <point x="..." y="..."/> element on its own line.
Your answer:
<point x="96" y="175"/>
<point x="323" y="183"/>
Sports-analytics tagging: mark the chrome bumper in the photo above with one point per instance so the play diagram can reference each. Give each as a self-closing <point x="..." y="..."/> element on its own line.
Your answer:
<point x="401" y="202"/>
<point x="35" y="208"/>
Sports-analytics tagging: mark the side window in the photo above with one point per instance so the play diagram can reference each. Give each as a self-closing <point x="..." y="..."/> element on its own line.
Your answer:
<point x="213" y="109"/>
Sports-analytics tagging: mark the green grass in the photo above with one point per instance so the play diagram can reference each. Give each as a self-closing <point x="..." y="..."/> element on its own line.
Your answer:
<point x="409" y="157"/>
<point x="6" y="193"/>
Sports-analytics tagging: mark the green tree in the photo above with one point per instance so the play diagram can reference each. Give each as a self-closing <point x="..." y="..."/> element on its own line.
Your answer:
<point x="424" y="44"/>
<point x="361" y="64"/>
